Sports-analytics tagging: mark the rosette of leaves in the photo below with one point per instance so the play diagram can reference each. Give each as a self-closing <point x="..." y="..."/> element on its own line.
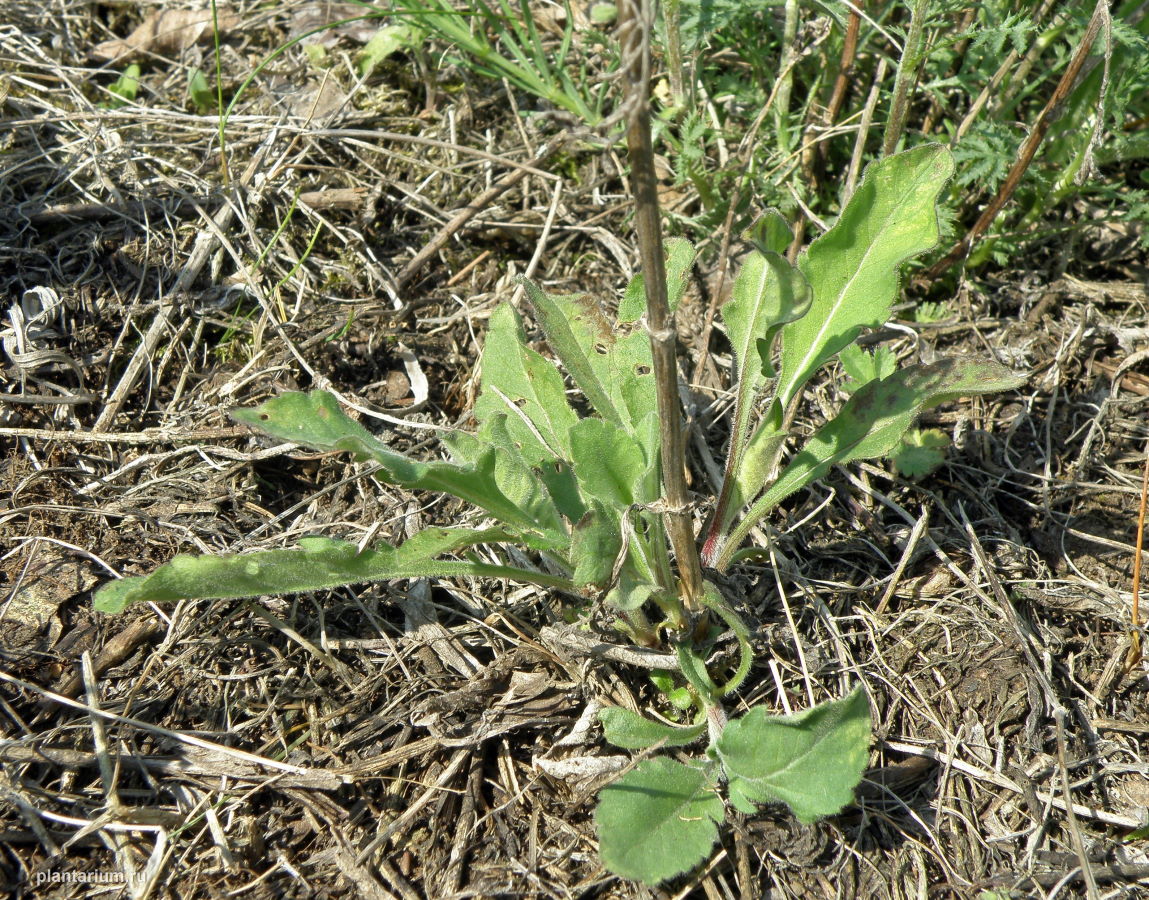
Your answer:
<point x="578" y="486"/>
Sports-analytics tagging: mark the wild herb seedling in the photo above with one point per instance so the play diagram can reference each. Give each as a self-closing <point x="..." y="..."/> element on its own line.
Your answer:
<point x="584" y="494"/>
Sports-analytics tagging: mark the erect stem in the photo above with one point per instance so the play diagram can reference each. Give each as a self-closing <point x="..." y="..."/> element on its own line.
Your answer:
<point x="907" y="69"/>
<point x="634" y="36"/>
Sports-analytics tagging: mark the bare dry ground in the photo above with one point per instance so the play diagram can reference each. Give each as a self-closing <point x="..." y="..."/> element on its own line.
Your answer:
<point x="431" y="739"/>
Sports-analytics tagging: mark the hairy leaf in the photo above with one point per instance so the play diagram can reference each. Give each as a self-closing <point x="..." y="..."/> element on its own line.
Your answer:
<point x="870" y="425"/>
<point x="527" y="388"/>
<point x="920" y="452"/>
<point x="812" y="760"/>
<point x="768" y="293"/>
<point x="853" y="267"/>
<point x="863" y="366"/>
<point x="770" y="233"/>
<point x="712" y="599"/>
<point x="614" y="373"/>
<point x="631" y="594"/>
<point x="319" y="563"/>
<point x="629" y="730"/>
<point x="658" y="820"/>
<point x="316" y="421"/>
<point x="518" y="481"/>
<point x="679" y="258"/>
<point x="608" y="464"/>
<point x="595" y="546"/>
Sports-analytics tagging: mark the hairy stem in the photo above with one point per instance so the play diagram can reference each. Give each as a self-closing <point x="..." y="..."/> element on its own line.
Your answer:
<point x="907" y="67"/>
<point x="634" y="21"/>
<point x="674" y="70"/>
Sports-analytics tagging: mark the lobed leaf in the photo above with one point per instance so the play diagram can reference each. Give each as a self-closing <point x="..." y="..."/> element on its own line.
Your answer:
<point x="920" y="452"/>
<point x="863" y="366"/>
<point x="657" y="821"/>
<point x="811" y="761"/>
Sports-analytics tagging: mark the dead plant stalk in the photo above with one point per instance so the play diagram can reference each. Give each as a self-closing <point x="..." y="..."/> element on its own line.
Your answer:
<point x="634" y="27"/>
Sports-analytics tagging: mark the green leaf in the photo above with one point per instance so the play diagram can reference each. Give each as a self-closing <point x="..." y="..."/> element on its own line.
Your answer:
<point x="631" y="594"/>
<point x="527" y="388"/>
<point x="760" y="454"/>
<point x="519" y="481"/>
<point x="812" y="760"/>
<point x="631" y="731"/>
<point x="870" y="425"/>
<point x="712" y="599"/>
<point x="770" y="233"/>
<point x="608" y="464"/>
<point x="693" y="667"/>
<point x="595" y="546"/>
<point x="678" y="695"/>
<point x="316" y="421"/>
<point x="657" y="821"/>
<point x="614" y="373"/>
<point x="203" y="98"/>
<point x="920" y="452"/>
<point x="124" y="88"/>
<point x="864" y="367"/>
<point x="680" y="255"/>
<point x="555" y="474"/>
<point x="853" y="268"/>
<point x="768" y="293"/>
<point x="1137" y="834"/>
<point x="318" y="564"/>
<point x="602" y="13"/>
<point x="387" y="40"/>
<point x="561" y="484"/>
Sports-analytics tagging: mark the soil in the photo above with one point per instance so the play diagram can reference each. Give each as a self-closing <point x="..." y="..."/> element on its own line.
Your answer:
<point x="427" y="738"/>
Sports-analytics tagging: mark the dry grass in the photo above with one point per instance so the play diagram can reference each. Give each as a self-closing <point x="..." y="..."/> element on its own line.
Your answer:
<point x="434" y="740"/>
